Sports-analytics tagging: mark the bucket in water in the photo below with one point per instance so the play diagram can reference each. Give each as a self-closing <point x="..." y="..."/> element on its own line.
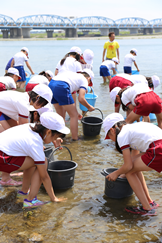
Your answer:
<point x="92" y="125"/>
<point x="62" y="172"/>
<point x="116" y="189"/>
<point x="91" y="99"/>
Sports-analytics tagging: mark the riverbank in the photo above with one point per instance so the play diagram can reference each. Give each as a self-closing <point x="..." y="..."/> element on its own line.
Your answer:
<point x="86" y="38"/>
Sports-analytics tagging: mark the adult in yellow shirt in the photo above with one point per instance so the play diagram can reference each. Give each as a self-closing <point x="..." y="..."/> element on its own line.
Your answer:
<point x="112" y="48"/>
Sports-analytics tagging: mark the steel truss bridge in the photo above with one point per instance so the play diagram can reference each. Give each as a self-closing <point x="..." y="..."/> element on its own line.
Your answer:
<point x="22" y="26"/>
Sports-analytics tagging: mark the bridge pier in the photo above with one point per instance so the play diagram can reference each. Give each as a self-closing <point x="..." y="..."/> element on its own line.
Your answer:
<point x="104" y="31"/>
<point x="71" y="32"/>
<point x="157" y="30"/>
<point x="85" y="32"/>
<point x="115" y="30"/>
<point x="26" y="32"/>
<point x="133" y="31"/>
<point x="147" y="31"/>
<point x="5" y="33"/>
<point x="16" y="33"/>
<point x="49" y="33"/>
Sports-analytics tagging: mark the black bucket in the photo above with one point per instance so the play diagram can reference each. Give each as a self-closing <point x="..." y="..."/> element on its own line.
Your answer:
<point x="116" y="189"/>
<point x="62" y="172"/>
<point x="92" y="125"/>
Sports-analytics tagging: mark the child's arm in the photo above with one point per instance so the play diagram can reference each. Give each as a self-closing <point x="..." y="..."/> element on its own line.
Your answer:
<point x="114" y="71"/>
<point x="135" y="64"/>
<point x="28" y="65"/>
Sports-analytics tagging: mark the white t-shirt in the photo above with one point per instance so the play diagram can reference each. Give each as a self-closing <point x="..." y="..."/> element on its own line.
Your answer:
<point x="19" y="59"/>
<point x="138" y="136"/>
<point x="70" y="64"/>
<point x="45" y="108"/>
<point x="8" y="81"/>
<point x="22" y="141"/>
<point x="89" y="66"/>
<point x="136" y="78"/>
<point x="109" y="64"/>
<point x="14" y="104"/>
<point x="38" y="79"/>
<point x="128" y="60"/>
<point x="75" y="80"/>
<point x="129" y="95"/>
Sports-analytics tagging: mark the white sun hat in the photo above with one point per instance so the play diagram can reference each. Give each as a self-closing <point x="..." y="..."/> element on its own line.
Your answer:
<point x="110" y="121"/>
<point x="115" y="59"/>
<point x="25" y="49"/>
<point x="88" y="56"/>
<point x="50" y="73"/>
<point x="44" y="91"/>
<point x="54" y="121"/>
<point x="155" y="80"/>
<point x="134" y="50"/>
<point x="76" y="49"/>
<point x="114" y="93"/>
<point x="14" y="71"/>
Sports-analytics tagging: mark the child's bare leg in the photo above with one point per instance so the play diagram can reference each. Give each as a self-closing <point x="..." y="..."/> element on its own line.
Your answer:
<point x="146" y="118"/>
<point x="27" y="175"/>
<point x="132" y="117"/>
<point x="109" y="78"/>
<point x="60" y="110"/>
<point x="159" y="119"/>
<point x="104" y="79"/>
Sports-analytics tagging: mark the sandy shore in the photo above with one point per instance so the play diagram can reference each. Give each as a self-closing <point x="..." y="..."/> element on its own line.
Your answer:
<point x="86" y="38"/>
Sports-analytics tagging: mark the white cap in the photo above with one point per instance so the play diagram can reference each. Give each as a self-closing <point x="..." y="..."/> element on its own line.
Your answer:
<point x="50" y="73"/>
<point x="76" y="49"/>
<point x="45" y="108"/>
<point x="54" y="121"/>
<point x="88" y="56"/>
<point x="110" y="121"/>
<point x="155" y="80"/>
<point x="114" y="93"/>
<point x="134" y="50"/>
<point x="115" y="59"/>
<point x="25" y="49"/>
<point x="31" y="108"/>
<point x="89" y="72"/>
<point x="14" y="71"/>
<point x="44" y="91"/>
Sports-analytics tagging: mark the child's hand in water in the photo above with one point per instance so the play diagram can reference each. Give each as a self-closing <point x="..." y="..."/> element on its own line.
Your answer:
<point x="112" y="176"/>
<point x="61" y="199"/>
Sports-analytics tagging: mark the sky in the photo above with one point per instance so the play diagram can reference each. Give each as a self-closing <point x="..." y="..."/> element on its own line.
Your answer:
<point x="114" y="9"/>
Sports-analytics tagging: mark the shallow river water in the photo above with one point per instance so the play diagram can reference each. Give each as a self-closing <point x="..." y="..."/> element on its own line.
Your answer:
<point x="87" y="215"/>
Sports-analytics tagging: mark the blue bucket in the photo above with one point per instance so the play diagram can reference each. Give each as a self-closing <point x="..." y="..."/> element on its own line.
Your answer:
<point x="91" y="99"/>
<point x="135" y="72"/>
<point x="151" y="115"/>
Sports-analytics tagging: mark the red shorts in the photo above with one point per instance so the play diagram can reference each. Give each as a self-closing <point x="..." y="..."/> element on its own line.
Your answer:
<point x="2" y="87"/>
<point x="119" y="82"/>
<point x="147" y="103"/>
<point x="29" y="87"/>
<point x="10" y="163"/>
<point x="153" y="156"/>
<point x="74" y="92"/>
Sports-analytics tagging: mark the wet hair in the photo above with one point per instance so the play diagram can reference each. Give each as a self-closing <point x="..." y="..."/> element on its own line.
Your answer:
<point x="39" y="128"/>
<point x="74" y="54"/>
<point x="43" y="73"/>
<point x="150" y="83"/>
<point x="111" y="33"/>
<point x="124" y="107"/>
<point x="32" y="116"/>
<point x="9" y="74"/>
<point x="35" y="97"/>
<point x="117" y="126"/>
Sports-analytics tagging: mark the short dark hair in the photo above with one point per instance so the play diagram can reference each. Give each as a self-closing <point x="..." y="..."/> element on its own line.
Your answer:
<point x="111" y="33"/>
<point x="117" y="126"/>
<point x="86" y="75"/>
<point x="35" y="97"/>
<point x="132" y="52"/>
<point x="9" y="74"/>
<point x="43" y="73"/>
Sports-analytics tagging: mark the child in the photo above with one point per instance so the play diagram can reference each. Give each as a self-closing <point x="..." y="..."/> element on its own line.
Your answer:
<point x="43" y="77"/>
<point x="140" y="99"/>
<point x="105" y="68"/>
<point x="86" y="59"/>
<point x="128" y="60"/>
<point x="18" y="63"/>
<point x="14" y="110"/>
<point x="21" y="148"/>
<point x="63" y="85"/>
<point x="140" y="137"/>
<point x="10" y="79"/>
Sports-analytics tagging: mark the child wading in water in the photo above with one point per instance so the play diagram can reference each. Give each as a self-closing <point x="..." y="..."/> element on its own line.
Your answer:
<point x="140" y="137"/>
<point x="21" y="148"/>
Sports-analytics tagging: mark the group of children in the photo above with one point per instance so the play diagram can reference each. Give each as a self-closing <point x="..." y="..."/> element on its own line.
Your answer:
<point x="140" y="143"/>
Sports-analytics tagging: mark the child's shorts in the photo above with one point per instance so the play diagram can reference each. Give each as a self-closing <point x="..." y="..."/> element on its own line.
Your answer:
<point x="147" y="103"/>
<point x="10" y="163"/>
<point x="29" y="87"/>
<point x="4" y="117"/>
<point x="127" y="70"/>
<point x="21" y="73"/>
<point x="61" y="93"/>
<point x="104" y="71"/>
<point x="2" y="87"/>
<point x="153" y="156"/>
<point x="119" y="82"/>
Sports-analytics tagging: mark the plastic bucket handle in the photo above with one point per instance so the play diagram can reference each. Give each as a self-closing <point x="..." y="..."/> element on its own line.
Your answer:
<point x="94" y="109"/>
<point x="54" y="150"/>
<point x="104" y="173"/>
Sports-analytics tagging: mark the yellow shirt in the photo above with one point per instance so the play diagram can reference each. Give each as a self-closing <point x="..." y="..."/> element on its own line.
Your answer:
<point x="111" y="48"/>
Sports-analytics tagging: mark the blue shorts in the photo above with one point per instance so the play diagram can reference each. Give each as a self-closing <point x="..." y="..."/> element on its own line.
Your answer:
<point x="104" y="71"/>
<point x="61" y="93"/>
<point x="21" y="73"/>
<point x="127" y="70"/>
<point x="3" y="117"/>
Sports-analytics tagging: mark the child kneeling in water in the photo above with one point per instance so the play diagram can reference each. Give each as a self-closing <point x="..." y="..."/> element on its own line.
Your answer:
<point x="21" y="148"/>
<point x="140" y="137"/>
